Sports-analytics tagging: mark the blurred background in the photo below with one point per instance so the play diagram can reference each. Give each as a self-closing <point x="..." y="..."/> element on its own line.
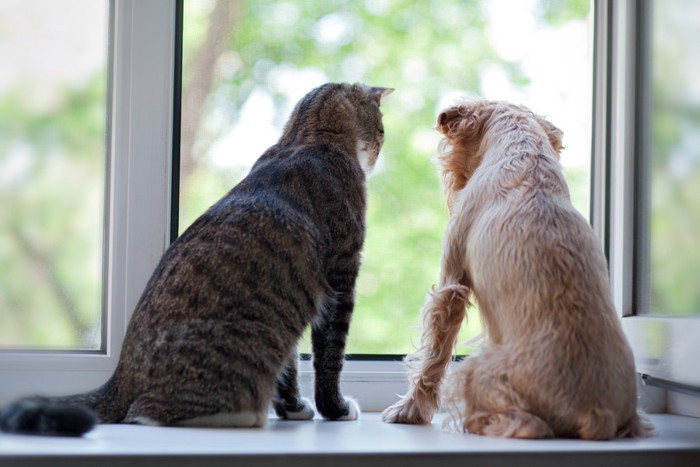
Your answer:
<point x="53" y="113"/>
<point x="672" y="180"/>
<point x="245" y="64"/>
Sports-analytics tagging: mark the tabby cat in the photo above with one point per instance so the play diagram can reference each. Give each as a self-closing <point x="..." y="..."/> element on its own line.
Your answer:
<point x="212" y="341"/>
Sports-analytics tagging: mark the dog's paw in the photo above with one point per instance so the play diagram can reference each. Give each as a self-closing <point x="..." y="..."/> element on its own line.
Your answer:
<point x="407" y="410"/>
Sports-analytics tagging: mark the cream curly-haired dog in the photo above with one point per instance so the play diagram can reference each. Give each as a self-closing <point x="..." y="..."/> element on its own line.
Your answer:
<point x="555" y="361"/>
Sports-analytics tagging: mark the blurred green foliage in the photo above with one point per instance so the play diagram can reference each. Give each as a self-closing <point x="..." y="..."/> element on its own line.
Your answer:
<point x="674" y="160"/>
<point x="427" y="51"/>
<point x="51" y="215"/>
<point x="558" y="12"/>
<point x="52" y="199"/>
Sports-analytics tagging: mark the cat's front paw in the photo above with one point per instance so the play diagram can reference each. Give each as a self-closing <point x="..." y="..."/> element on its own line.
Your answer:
<point x="302" y="409"/>
<point x="353" y="410"/>
<point x="347" y="410"/>
<point x="407" y="410"/>
<point x="305" y="411"/>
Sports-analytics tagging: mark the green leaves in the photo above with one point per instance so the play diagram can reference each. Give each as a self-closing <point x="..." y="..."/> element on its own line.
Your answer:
<point x="425" y="50"/>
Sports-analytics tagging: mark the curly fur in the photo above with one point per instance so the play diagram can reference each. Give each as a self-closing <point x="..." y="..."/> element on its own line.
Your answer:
<point x="555" y="361"/>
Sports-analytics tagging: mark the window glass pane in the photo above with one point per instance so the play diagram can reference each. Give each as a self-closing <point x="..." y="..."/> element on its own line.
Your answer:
<point x="673" y="167"/>
<point x="53" y="94"/>
<point x="246" y="63"/>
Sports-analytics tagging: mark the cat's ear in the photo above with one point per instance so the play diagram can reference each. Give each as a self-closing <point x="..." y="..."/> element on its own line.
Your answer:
<point x="377" y="93"/>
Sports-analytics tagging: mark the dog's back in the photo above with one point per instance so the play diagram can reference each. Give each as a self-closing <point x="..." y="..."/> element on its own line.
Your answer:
<point x="557" y="357"/>
<point x="555" y="361"/>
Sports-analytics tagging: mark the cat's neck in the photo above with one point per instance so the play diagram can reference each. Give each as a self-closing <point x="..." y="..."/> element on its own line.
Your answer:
<point x="342" y="141"/>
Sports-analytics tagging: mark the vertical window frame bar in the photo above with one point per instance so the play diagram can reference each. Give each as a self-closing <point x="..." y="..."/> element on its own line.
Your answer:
<point x="622" y="155"/>
<point x="142" y="152"/>
<point x="601" y="109"/>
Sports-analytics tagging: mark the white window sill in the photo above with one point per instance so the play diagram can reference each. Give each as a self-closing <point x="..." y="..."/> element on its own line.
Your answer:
<point x="365" y="442"/>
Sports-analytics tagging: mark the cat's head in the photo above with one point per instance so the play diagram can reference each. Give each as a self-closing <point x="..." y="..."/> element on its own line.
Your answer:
<point x="371" y="129"/>
<point x="344" y="112"/>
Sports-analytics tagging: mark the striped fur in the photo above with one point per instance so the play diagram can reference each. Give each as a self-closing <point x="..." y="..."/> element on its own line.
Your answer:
<point x="212" y="341"/>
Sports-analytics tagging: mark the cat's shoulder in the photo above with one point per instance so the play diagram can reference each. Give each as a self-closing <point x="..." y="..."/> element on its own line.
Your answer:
<point x="318" y="158"/>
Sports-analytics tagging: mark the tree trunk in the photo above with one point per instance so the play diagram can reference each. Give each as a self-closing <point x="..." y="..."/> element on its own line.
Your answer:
<point x="222" y="19"/>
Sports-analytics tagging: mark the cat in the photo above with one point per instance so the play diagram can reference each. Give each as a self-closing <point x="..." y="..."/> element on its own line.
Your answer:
<point x="212" y="341"/>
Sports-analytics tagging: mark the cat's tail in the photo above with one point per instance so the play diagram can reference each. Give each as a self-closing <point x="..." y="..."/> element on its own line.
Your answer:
<point x="62" y="416"/>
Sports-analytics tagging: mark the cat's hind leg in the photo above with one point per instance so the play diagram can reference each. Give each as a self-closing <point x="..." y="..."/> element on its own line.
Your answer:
<point x="288" y="403"/>
<point x="170" y="410"/>
<point x="227" y="419"/>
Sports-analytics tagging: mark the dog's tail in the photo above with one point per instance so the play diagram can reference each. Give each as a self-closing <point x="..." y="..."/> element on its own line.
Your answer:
<point x="637" y="427"/>
<point x="62" y="416"/>
<point x="602" y="424"/>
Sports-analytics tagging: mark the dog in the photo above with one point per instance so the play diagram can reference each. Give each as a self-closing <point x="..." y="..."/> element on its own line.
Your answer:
<point x="554" y="361"/>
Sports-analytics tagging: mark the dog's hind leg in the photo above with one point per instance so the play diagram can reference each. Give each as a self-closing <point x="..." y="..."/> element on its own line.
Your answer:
<point x="483" y="401"/>
<point x="515" y="423"/>
<point x="596" y="423"/>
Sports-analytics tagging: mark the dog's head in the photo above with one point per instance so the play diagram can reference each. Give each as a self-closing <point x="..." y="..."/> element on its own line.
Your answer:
<point x="465" y="126"/>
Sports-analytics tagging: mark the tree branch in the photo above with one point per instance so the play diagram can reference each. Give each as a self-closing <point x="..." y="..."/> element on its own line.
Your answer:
<point x="52" y="278"/>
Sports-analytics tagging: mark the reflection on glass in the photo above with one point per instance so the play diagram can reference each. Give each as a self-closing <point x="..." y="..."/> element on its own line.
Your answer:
<point x="246" y="63"/>
<point x="53" y="84"/>
<point x="674" y="165"/>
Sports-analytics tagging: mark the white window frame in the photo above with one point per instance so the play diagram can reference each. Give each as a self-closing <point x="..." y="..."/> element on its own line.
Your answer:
<point x="619" y="146"/>
<point x="138" y="152"/>
<point x="137" y="230"/>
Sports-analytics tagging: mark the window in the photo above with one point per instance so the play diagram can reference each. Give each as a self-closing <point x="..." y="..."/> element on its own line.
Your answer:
<point x="246" y="64"/>
<point x="137" y="189"/>
<point x="141" y="106"/>
<point x="643" y="171"/>
<point x="53" y="123"/>
<point x="670" y="214"/>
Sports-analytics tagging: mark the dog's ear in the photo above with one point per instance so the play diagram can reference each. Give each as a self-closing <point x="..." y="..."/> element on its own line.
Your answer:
<point x="448" y="118"/>
<point x="463" y="122"/>
<point x="554" y="134"/>
<point x="463" y="126"/>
